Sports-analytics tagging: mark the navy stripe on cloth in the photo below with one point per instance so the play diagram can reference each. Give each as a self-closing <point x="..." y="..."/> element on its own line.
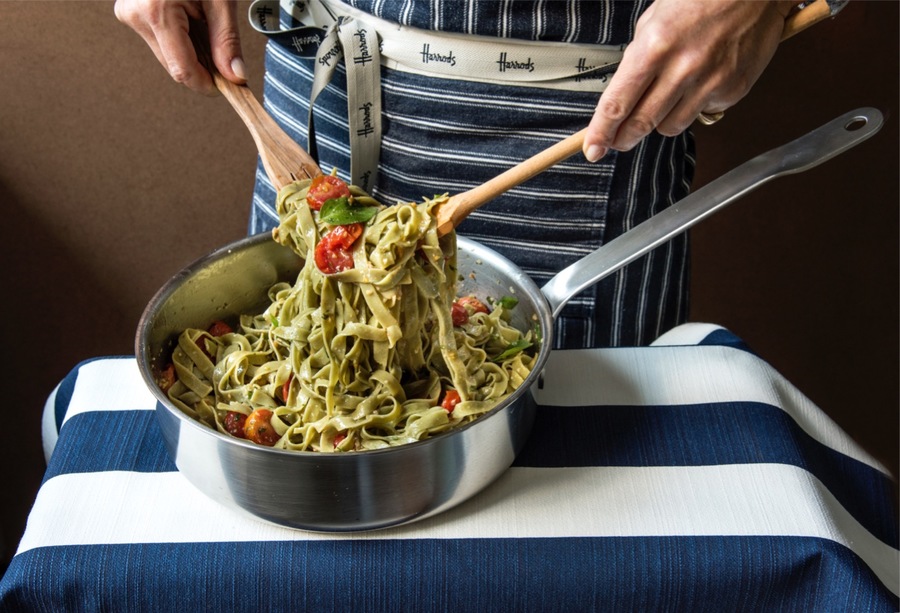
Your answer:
<point x="725" y="338"/>
<point x="685" y="573"/>
<point x="695" y="435"/>
<point x="86" y="445"/>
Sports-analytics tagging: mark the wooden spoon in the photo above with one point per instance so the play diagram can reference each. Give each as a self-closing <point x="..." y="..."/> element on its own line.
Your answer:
<point x="451" y="213"/>
<point x="283" y="159"/>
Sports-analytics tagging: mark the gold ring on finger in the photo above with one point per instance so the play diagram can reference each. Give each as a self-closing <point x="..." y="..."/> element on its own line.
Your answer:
<point x="708" y="119"/>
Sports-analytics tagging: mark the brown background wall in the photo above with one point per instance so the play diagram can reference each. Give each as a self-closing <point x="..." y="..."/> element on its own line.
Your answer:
<point x="112" y="178"/>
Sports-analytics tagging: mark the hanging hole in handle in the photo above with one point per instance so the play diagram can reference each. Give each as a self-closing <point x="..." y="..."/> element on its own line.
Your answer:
<point x="856" y="123"/>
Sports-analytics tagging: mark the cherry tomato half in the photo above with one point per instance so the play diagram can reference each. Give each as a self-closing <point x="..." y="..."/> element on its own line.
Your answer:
<point x="333" y="251"/>
<point x="450" y="400"/>
<point x="201" y="343"/>
<point x="464" y="307"/>
<point x="219" y="328"/>
<point x="459" y="314"/>
<point x="166" y="377"/>
<point x="473" y="304"/>
<point x="234" y="423"/>
<point x="323" y="188"/>
<point x="258" y="428"/>
<point x="286" y="388"/>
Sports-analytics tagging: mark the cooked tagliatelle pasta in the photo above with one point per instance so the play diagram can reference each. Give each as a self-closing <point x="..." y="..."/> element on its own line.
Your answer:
<point x="378" y="352"/>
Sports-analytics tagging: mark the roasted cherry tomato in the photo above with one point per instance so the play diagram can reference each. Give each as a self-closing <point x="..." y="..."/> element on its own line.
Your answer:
<point x="464" y="307"/>
<point x="258" y="428"/>
<point x="339" y="438"/>
<point x="333" y="251"/>
<point x="219" y="328"/>
<point x="234" y="423"/>
<point x="166" y="377"/>
<point x="450" y="400"/>
<point x="323" y="188"/>
<point x="473" y="304"/>
<point x="201" y="343"/>
<point x="459" y="314"/>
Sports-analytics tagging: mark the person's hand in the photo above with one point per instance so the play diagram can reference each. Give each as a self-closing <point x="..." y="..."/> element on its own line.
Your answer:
<point x="687" y="57"/>
<point x="165" y="25"/>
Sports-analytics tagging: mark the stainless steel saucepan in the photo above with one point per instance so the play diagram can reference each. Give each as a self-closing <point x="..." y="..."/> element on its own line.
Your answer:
<point x="375" y="489"/>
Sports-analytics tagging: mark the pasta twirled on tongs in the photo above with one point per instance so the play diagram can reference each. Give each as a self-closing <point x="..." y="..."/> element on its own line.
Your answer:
<point x="368" y="348"/>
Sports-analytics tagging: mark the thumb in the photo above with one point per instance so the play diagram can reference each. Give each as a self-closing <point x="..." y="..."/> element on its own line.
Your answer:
<point x="225" y="40"/>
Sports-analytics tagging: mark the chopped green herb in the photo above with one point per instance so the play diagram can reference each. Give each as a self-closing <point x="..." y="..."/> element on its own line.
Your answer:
<point x="341" y="212"/>
<point x="508" y="302"/>
<point x="512" y="349"/>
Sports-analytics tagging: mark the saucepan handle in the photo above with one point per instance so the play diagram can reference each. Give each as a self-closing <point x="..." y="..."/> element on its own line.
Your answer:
<point x="808" y="151"/>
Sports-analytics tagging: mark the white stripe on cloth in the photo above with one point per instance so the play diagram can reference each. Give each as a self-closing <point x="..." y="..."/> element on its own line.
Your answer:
<point x="730" y="500"/>
<point x="109" y="385"/>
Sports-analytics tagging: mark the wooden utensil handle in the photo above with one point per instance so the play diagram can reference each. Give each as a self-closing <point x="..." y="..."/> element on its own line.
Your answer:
<point x="811" y="14"/>
<point x="283" y="159"/>
<point x="452" y="212"/>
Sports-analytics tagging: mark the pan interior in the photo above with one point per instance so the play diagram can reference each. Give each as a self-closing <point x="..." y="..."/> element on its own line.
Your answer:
<point x="235" y="280"/>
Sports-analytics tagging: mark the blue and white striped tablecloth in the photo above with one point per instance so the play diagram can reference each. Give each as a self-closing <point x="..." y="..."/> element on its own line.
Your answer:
<point x="688" y="475"/>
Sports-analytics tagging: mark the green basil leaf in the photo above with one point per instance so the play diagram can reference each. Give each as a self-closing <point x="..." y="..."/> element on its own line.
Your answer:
<point x="341" y="212"/>
<point x="513" y="348"/>
<point x="508" y="302"/>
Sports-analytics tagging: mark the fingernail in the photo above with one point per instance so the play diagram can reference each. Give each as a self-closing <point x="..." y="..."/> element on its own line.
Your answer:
<point x="594" y="153"/>
<point x="238" y="68"/>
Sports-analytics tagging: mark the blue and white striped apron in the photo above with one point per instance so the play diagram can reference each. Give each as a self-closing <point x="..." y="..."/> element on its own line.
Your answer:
<point x="446" y="135"/>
